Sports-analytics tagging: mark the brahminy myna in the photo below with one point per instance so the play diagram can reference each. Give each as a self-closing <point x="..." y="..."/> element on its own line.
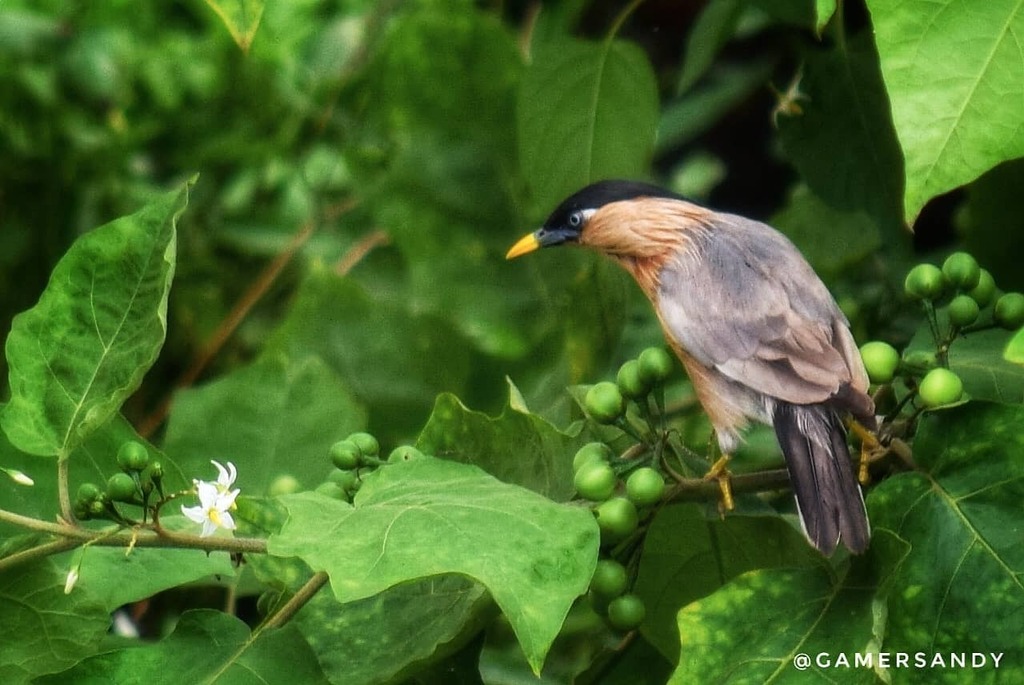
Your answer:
<point x="758" y="333"/>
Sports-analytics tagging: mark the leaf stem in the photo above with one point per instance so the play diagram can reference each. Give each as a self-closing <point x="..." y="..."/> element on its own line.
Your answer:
<point x="63" y="491"/>
<point x="292" y="606"/>
<point x="621" y="19"/>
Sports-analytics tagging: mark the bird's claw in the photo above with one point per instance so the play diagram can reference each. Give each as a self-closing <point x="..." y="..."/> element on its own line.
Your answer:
<point x="720" y="471"/>
<point x="870" y="449"/>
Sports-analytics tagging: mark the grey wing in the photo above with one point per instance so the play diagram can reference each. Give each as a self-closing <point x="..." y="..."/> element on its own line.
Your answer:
<point x="745" y="302"/>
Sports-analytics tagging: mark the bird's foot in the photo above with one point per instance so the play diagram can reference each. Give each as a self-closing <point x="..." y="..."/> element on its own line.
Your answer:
<point x="720" y="471"/>
<point x="870" y="449"/>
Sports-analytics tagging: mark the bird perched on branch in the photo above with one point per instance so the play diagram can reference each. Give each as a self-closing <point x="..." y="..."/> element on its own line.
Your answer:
<point x="755" y="328"/>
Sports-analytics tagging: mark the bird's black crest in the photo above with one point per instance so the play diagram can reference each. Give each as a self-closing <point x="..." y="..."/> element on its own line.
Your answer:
<point x="598" y="194"/>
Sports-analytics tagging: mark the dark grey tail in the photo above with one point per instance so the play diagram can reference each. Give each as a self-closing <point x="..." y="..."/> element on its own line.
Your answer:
<point x="828" y="497"/>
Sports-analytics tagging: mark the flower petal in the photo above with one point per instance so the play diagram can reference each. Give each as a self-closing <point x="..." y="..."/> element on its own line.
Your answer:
<point x="197" y="514"/>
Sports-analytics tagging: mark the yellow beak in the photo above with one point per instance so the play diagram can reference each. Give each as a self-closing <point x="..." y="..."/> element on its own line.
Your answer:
<point x="528" y="243"/>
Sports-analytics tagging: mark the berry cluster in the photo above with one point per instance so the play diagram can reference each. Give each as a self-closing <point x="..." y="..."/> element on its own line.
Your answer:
<point x="623" y="491"/>
<point x="133" y="484"/>
<point x="974" y="303"/>
<point x="354" y="458"/>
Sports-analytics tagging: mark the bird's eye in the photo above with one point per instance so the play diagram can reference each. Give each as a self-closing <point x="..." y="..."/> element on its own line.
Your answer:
<point x="576" y="219"/>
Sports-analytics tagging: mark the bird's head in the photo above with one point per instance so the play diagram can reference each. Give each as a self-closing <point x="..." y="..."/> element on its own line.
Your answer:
<point x="625" y="219"/>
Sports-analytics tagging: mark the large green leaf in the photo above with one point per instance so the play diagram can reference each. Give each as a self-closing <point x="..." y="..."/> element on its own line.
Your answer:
<point x="516" y="447"/>
<point x="43" y="630"/>
<point x="755" y="629"/>
<point x="117" y="577"/>
<point x="961" y="587"/>
<point x="84" y="347"/>
<point x="689" y="554"/>
<point x="274" y="417"/>
<point x="431" y="517"/>
<point x="206" y="647"/>
<point x="715" y="25"/>
<point x="377" y="639"/>
<point x="586" y="111"/>
<point x="845" y="109"/>
<point x="954" y="71"/>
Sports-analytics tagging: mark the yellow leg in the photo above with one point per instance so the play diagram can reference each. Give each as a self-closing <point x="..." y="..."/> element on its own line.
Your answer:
<point x="870" y="448"/>
<point x="720" y="471"/>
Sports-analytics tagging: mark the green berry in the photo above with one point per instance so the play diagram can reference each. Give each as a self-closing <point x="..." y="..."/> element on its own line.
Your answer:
<point x="940" y="387"/>
<point x="285" y="484"/>
<point x="589" y="453"/>
<point x="880" y="361"/>
<point x="962" y="271"/>
<point x="87" y="492"/>
<point x="629" y="381"/>
<point x="121" y="488"/>
<point x="405" y="453"/>
<point x="920" y="359"/>
<point x="985" y="291"/>
<point x="332" y="490"/>
<point x="963" y="310"/>
<point x="367" y="444"/>
<point x="604" y="402"/>
<point x="654" y="366"/>
<point x="97" y="507"/>
<point x="645" y="486"/>
<point x="925" y="282"/>
<point x="345" y="454"/>
<point x="346" y="478"/>
<point x="1009" y="312"/>
<point x="610" y="579"/>
<point x="595" y="481"/>
<point x="626" y="612"/>
<point x="616" y="518"/>
<point x="133" y="456"/>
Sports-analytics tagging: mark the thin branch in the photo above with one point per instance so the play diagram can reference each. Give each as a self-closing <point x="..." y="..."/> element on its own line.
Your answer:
<point x="292" y="606"/>
<point x="358" y="252"/>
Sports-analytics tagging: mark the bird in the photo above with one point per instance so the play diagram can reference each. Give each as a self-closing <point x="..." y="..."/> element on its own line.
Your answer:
<point x="758" y="333"/>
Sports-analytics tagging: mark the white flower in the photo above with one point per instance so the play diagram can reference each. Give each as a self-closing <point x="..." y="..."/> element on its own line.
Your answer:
<point x="225" y="477"/>
<point x="215" y="501"/>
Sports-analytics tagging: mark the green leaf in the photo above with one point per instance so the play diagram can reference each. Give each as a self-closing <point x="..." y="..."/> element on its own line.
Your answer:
<point x="823" y="11"/>
<point x="794" y="612"/>
<point x="99" y="325"/>
<point x="431" y="517"/>
<point x="380" y="638"/>
<point x="515" y="447"/>
<point x="688" y="555"/>
<point x="241" y="17"/>
<point x="276" y="416"/>
<point x="844" y="106"/>
<point x="960" y="586"/>
<point x="712" y="29"/>
<point x="586" y="111"/>
<point x="954" y="71"/>
<point x="116" y="577"/>
<point x="206" y="647"/>
<point x="1014" y="350"/>
<point x="43" y="630"/>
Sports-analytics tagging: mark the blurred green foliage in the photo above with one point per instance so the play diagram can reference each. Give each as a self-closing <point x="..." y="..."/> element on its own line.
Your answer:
<point x="402" y="147"/>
